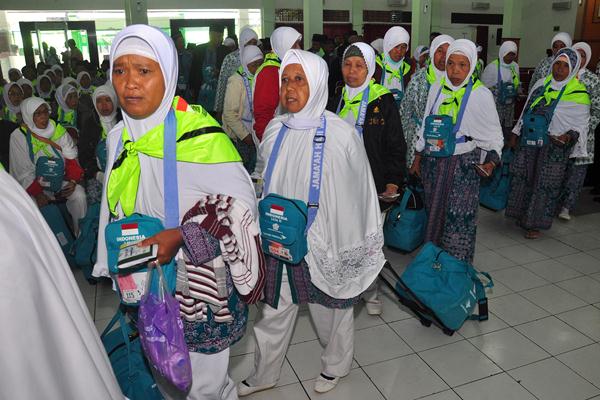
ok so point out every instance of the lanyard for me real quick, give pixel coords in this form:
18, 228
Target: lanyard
248, 92
170, 185
316, 169
362, 110
463, 105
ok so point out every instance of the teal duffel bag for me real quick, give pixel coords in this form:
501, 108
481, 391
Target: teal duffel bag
405, 223
441, 289
493, 192
58, 225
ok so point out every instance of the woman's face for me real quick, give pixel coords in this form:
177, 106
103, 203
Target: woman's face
45, 84
560, 70
27, 91
294, 91
355, 71
457, 68
583, 56
72, 100
139, 84
104, 105
254, 65
557, 45
398, 52
41, 116
422, 60
509, 58
15, 95
439, 57
85, 82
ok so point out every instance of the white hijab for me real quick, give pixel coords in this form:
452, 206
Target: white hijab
194, 180
317, 74
507, 47
489, 77
13, 109
282, 39
369, 56
377, 44
573, 69
71, 81
106, 90
61, 95
435, 43
588, 54
563, 37
419, 51
393, 37
80, 77
466, 48
248, 55
25, 81
38, 86
28, 107
246, 35
344, 255
152, 43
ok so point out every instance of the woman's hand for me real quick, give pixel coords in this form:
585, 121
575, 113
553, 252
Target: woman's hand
415, 168
561, 140
389, 196
169, 241
485, 170
66, 191
41, 200
512, 141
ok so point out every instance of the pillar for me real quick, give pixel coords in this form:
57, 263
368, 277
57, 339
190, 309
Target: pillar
420, 24
136, 12
267, 14
511, 21
357, 16
313, 20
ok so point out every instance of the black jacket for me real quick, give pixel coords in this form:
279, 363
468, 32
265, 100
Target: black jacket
384, 141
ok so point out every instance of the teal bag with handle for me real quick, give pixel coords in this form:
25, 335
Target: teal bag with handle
442, 289
131, 281
493, 192
404, 227
534, 132
49, 169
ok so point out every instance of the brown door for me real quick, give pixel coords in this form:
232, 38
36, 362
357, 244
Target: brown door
482, 40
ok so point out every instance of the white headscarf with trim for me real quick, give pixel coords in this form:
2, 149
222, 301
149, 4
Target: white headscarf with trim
28, 107
369, 56
14, 109
107, 90
282, 40
573, 62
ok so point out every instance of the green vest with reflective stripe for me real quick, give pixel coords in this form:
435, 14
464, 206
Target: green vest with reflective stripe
575, 92
271, 60
375, 91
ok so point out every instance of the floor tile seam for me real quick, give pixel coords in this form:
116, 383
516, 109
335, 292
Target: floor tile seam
575, 328
520, 333
433, 326
297, 377
500, 373
577, 373
559, 281
374, 384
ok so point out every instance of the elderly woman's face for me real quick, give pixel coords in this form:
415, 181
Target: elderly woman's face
439, 57
560, 69
41, 116
294, 91
557, 45
139, 84
509, 58
85, 81
354, 70
15, 95
398, 52
72, 100
457, 68
104, 105
583, 56
254, 66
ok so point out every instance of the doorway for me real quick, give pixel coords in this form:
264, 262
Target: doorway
196, 30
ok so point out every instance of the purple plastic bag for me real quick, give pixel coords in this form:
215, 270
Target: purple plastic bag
161, 334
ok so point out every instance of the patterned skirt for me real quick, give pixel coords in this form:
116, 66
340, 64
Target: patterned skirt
537, 177
452, 200
301, 286
574, 179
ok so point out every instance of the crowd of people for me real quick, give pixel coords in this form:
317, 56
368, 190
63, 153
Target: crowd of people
261, 129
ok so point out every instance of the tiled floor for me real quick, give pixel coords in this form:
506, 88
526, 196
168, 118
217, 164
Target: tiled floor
541, 342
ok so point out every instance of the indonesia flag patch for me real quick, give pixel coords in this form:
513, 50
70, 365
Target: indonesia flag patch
129, 229
277, 210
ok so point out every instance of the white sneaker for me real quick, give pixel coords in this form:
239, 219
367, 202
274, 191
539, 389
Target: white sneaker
243, 389
374, 307
324, 384
564, 215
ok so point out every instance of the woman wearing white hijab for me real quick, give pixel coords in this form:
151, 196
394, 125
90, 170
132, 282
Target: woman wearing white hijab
67, 98
41, 146
45, 88
51, 337
377, 44
393, 68
237, 109
421, 56
412, 111
58, 71
231, 63
344, 254
266, 80
451, 181
559, 41
26, 86
12, 96
85, 83
563, 105
578, 167
502, 77
207, 164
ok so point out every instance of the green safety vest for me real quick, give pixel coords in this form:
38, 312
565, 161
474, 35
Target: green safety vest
375, 91
271, 60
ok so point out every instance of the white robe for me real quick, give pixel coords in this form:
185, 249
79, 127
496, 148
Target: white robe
51, 349
345, 241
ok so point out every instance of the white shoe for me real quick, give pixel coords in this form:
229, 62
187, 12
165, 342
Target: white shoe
325, 384
243, 389
564, 214
374, 307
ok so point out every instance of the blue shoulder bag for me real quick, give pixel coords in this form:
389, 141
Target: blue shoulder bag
493, 192
404, 228
284, 223
439, 131
137, 227
534, 132
50, 169
507, 92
